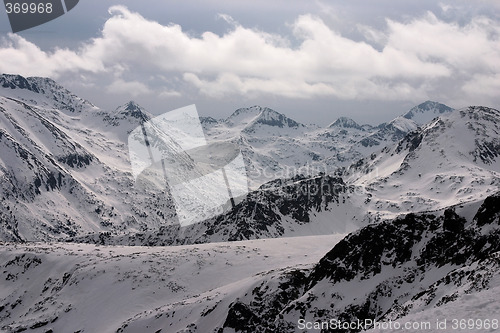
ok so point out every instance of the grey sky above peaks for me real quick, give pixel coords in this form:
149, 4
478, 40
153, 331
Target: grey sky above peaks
311, 60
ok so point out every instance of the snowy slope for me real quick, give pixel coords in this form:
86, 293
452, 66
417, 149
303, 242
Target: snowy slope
412, 264
420, 263
471, 312
387, 134
43, 92
283, 208
412, 267
454, 159
64, 167
71, 287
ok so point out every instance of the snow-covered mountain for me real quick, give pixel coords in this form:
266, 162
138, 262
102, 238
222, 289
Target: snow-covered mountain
42, 92
425, 112
273, 145
346, 122
416, 266
276, 146
300, 206
453, 159
65, 168
416, 175
387, 134
128, 117
66, 174
255, 118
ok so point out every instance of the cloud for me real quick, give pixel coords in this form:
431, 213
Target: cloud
23, 57
412, 59
133, 88
469, 49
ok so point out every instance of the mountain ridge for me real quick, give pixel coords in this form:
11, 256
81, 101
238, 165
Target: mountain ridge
438, 164
410, 229
83, 163
56, 95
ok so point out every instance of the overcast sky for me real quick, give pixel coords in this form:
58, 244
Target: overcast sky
311, 60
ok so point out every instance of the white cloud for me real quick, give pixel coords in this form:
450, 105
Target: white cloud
133, 88
229, 83
411, 61
471, 48
20, 56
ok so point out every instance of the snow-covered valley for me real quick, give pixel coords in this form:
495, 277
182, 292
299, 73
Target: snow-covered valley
72, 287
419, 267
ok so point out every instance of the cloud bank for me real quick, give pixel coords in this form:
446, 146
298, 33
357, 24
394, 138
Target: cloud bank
406, 60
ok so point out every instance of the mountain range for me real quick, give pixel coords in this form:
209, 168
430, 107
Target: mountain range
395, 223
73, 153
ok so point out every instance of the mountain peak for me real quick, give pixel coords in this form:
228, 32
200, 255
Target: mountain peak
272, 118
14, 81
426, 111
132, 106
346, 122
55, 94
39, 85
256, 109
131, 110
403, 124
255, 115
208, 120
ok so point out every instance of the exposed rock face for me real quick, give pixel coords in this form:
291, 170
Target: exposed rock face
383, 272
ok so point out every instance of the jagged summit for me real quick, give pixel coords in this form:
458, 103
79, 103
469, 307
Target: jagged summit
272, 118
243, 116
17, 82
32, 83
480, 112
346, 122
132, 110
256, 115
127, 117
390, 132
53, 94
208, 120
470, 135
256, 109
426, 111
